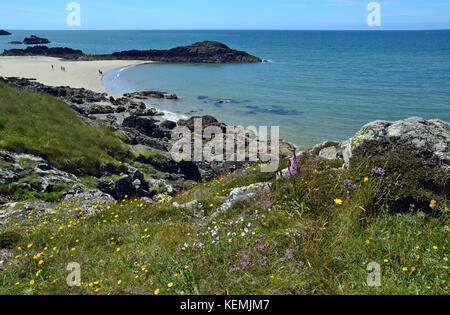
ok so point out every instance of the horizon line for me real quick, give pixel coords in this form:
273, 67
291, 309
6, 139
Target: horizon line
212, 29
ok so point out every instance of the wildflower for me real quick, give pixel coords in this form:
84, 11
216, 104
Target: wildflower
118, 249
29, 245
156, 292
366, 179
386, 261
433, 204
170, 285
379, 171
338, 201
435, 247
40, 262
32, 282
405, 269
119, 282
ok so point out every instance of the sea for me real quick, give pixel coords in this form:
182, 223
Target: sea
315, 85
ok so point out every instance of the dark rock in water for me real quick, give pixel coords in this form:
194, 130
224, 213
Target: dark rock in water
146, 126
35, 40
206, 122
3, 32
168, 124
15, 43
202, 52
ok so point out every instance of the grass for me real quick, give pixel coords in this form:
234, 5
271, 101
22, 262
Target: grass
313, 234
40, 124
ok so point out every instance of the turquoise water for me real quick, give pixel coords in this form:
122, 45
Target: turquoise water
319, 85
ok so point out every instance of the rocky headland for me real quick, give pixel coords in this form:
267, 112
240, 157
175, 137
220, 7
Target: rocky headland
201, 52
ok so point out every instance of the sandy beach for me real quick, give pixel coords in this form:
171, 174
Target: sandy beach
78, 74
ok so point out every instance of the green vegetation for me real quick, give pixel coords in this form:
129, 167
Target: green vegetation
40, 124
315, 233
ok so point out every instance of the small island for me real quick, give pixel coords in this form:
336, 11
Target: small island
32, 40
201, 52
3, 32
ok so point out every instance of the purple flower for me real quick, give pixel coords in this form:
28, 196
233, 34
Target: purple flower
379, 171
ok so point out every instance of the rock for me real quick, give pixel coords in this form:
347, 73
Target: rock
207, 121
3, 33
146, 200
242, 194
429, 136
35, 40
66, 53
15, 42
144, 112
197, 209
99, 109
124, 187
167, 124
160, 186
84, 199
146, 126
7, 177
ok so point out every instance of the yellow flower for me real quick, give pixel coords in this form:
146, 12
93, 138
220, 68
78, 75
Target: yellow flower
366, 179
156, 292
367, 242
119, 282
272, 277
433, 204
386, 260
183, 248
338, 201
29, 245
32, 282
405, 269
73, 249
170, 285
435, 247
40, 262
118, 249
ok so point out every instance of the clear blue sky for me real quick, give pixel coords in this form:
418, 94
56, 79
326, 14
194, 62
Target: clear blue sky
224, 14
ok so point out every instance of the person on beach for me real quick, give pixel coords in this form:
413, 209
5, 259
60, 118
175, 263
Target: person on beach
53, 68
100, 72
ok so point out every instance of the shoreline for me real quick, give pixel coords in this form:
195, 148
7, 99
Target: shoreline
77, 74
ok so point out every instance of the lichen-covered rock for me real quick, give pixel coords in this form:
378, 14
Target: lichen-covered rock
242, 194
87, 200
429, 136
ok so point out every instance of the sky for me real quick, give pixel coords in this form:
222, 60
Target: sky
224, 14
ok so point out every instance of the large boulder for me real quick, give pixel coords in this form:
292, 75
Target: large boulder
145, 126
431, 137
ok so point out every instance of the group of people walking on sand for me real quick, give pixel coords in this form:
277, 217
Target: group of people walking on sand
62, 68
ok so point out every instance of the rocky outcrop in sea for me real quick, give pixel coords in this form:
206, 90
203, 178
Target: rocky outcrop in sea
201, 52
4, 33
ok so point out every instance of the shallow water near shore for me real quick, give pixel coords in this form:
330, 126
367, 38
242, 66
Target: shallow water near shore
317, 86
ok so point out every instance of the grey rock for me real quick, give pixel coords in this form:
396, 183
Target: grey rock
428, 135
84, 199
242, 194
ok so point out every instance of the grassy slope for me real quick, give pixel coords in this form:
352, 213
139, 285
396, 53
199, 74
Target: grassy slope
314, 234
40, 124
303, 243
